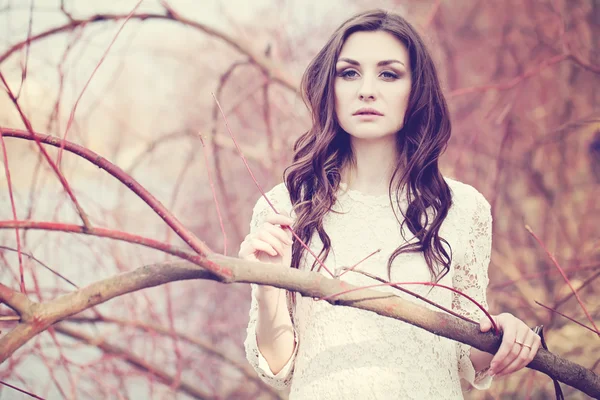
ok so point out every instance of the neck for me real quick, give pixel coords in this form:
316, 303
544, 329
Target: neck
375, 164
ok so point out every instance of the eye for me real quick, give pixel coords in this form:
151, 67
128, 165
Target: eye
349, 73
389, 75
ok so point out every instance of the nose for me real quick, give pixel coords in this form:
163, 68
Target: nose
366, 91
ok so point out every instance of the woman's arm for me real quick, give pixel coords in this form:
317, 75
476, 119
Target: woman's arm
264, 359
470, 276
271, 242
274, 330
519, 342
271, 340
480, 359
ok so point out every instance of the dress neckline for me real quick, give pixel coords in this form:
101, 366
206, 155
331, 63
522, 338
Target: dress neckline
380, 200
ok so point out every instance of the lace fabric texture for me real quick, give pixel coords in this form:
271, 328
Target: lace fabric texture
348, 353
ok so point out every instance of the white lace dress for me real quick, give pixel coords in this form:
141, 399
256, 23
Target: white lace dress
346, 353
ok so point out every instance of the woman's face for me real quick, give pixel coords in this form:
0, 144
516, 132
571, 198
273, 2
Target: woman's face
372, 85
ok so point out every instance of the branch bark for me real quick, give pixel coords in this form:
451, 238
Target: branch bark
309, 284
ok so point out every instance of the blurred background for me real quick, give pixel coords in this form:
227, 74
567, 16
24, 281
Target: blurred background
522, 78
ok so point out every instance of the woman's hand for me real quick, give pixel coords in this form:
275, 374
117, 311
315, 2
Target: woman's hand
519, 344
271, 243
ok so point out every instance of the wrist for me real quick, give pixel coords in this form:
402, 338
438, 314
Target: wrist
480, 359
269, 291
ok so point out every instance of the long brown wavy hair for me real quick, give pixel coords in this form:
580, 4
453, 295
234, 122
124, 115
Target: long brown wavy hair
319, 154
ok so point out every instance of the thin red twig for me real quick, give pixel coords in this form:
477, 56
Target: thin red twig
358, 263
185, 234
14, 212
557, 265
275, 71
21, 390
583, 285
51, 367
214, 193
422, 298
512, 82
42, 264
25, 64
566, 316
123, 236
495, 327
431, 15
74, 109
176, 347
262, 191
63, 360
54, 167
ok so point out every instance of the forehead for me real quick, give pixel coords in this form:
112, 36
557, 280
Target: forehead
373, 46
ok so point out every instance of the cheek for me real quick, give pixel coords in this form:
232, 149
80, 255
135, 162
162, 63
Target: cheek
344, 93
342, 104
401, 103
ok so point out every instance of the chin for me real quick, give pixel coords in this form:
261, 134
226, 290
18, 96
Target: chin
370, 134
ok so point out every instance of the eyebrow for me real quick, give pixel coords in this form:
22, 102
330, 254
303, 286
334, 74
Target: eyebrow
379, 64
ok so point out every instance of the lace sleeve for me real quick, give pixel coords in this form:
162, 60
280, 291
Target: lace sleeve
283, 378
471, 277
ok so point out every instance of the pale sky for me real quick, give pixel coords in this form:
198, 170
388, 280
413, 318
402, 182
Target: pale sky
152, 57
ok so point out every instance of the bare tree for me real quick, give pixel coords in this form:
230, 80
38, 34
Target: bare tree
81, 230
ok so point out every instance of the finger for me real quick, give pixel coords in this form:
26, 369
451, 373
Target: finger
279, 219
537, 343
247, 252
524, 356
259, 245
485, 324
279, 233
499, 360
534, 342
514, 348
519, 362
269, 238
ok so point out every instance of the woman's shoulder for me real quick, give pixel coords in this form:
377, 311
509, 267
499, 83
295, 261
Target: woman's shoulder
466, 197
278, 195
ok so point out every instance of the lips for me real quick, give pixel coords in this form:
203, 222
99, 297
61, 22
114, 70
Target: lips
367, 111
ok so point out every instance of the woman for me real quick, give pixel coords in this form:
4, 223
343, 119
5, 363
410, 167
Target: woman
365, 177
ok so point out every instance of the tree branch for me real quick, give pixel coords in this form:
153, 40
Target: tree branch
207, 347
15, 300
96, 159
275, 71
136, 361
309, 284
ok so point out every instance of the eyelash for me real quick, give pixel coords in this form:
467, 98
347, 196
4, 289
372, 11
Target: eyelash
345, 74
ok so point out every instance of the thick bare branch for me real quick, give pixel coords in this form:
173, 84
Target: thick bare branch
15, 300
309, 284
